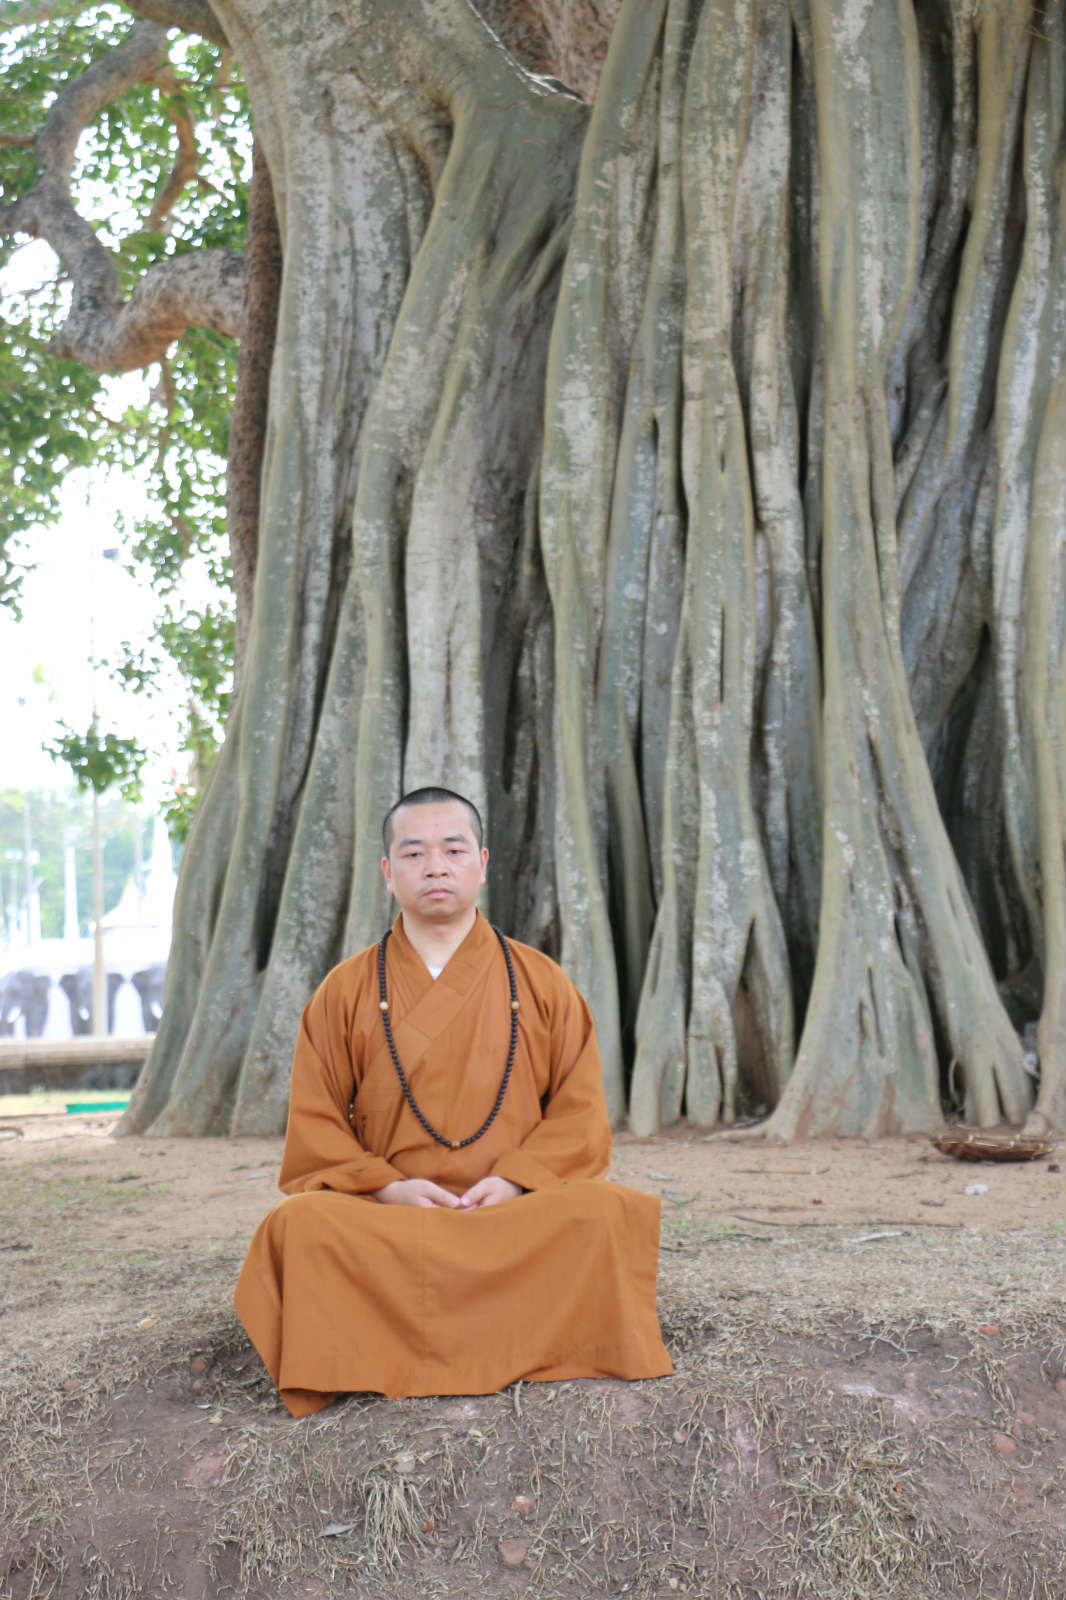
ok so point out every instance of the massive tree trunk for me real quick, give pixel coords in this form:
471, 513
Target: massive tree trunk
681, 476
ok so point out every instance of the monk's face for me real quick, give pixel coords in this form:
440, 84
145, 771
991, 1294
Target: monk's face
434, 867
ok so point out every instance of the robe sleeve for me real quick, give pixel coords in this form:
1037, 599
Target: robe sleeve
573, 1139
321, 1150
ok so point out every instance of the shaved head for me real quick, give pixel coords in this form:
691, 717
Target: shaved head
431, 797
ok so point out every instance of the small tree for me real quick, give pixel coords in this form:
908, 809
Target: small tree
100, 761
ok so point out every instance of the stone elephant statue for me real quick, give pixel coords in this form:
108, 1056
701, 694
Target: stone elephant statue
24, 994
78, 988
149, 985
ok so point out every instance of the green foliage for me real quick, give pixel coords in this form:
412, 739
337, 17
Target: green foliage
100, 761
49, 422
199, 643
55, 415
179, 809
184, 455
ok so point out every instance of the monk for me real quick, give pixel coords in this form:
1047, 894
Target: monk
448, 1229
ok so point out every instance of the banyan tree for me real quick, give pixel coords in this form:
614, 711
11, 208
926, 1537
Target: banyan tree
651, 422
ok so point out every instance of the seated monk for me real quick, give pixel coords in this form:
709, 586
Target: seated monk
447, 1228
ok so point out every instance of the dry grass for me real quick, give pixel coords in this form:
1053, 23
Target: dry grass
804, 1448
751, 1472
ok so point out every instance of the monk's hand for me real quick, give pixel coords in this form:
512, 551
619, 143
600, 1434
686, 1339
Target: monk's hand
414, 1192
488, 1192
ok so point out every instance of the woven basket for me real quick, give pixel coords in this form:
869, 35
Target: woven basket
990, 1147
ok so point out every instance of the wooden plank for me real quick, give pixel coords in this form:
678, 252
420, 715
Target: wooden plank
88, 1050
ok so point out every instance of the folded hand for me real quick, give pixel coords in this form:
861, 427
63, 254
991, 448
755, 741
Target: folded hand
489, 1192
415, 1192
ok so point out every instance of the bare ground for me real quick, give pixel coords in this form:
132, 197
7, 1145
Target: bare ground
869, 1398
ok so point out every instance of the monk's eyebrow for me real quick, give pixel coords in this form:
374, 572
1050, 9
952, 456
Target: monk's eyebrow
449, 838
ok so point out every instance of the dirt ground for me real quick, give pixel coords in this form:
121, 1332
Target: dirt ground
869, 1398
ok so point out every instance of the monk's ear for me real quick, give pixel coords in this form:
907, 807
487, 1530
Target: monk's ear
484, 863
386, 873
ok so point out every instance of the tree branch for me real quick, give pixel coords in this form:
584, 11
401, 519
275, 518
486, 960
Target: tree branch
191, 16
202, 289
102, 330
185, 168
31, 12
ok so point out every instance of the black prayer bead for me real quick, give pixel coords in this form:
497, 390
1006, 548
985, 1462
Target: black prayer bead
450, 1144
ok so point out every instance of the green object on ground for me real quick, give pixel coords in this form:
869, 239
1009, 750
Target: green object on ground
97, 1105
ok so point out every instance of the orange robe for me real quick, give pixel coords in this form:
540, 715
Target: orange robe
340, 1293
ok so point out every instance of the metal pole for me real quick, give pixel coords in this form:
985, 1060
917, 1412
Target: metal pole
99, 1014
27, 863
71, 926
138, 867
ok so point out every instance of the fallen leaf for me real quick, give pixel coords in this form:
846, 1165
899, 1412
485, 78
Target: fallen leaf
513, 1551
207, 1473
333, 1528
147, 1322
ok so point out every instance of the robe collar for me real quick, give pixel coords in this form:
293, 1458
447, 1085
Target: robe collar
464, 966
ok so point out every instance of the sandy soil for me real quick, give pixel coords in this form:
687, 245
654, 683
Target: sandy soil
706, 1182
869, 1396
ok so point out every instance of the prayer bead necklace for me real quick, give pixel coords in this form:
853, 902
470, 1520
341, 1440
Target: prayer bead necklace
451, 1144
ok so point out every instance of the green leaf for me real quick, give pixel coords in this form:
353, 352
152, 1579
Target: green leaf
100, 761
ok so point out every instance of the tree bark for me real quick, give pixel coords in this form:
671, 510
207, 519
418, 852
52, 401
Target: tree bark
251, 406
681, 478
